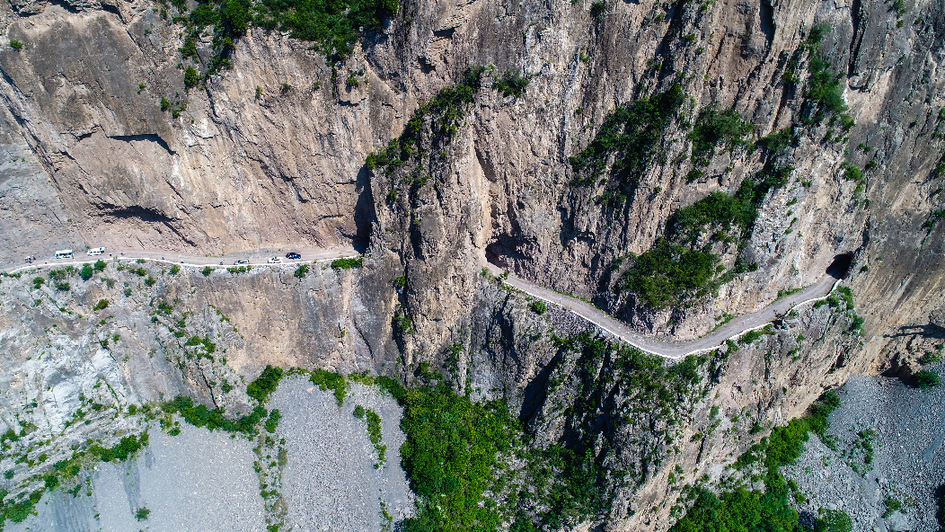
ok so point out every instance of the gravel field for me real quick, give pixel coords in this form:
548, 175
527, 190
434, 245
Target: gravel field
204, 481
195, 481
908, 461
329, 481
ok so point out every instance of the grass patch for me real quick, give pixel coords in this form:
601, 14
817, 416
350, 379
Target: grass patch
347, 264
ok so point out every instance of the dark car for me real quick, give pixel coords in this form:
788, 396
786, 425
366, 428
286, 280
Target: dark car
293, 256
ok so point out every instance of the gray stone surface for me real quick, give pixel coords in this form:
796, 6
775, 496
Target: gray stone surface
196, 481
330, 482
908, 462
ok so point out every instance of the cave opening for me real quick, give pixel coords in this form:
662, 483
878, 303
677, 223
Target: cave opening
840, 266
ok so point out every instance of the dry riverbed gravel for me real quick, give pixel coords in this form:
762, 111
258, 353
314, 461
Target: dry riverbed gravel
201, 480
905, 427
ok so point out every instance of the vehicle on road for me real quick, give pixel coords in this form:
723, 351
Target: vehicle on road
293, 255
275, 260
96, 251
29, 259
241, 261
64, 254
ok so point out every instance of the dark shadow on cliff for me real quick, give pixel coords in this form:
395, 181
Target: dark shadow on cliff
536, 392
364, 214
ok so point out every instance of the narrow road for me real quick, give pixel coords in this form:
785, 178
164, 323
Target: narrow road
672, 350
254, 257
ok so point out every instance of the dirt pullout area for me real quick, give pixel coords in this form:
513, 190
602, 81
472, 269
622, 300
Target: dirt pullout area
195, 481
887, 453
330, 481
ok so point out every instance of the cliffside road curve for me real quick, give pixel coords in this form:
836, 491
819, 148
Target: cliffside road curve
667, 349
673, 350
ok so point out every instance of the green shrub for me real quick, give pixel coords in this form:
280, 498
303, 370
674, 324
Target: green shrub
38, 282
86, 272
345, 264
777, 142
925, 379
669, 274
142, 513
175, 269
125, 448
16, 45
201, 416
63, 286
191, 78
301, 271
265, 384
334, 27
207, 270
400, 281
931, 357
149, 281
634, 134
450, 457
273, 421
101, 305
358, 412
327, 380
99, 265
768, 509
165, 105
713, 128
892, 506
833, 521
538, 307
511, 84
694, 175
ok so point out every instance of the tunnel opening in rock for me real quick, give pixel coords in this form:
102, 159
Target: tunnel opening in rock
840, 266
503, 251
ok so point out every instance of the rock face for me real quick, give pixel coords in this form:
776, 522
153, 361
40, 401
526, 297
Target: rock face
272, 152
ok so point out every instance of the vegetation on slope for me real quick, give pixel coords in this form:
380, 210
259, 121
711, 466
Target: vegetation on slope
741, 509
634, 135
333, 27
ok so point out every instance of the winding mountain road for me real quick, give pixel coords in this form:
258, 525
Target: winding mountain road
667, 349
674, 350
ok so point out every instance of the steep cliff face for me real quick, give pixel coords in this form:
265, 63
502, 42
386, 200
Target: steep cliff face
272, 152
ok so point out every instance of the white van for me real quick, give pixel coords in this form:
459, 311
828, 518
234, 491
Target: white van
96, 251
64, 254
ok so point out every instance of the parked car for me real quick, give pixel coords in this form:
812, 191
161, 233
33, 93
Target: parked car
275, 260
293, 255
96, 251
64, 254
241, 261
